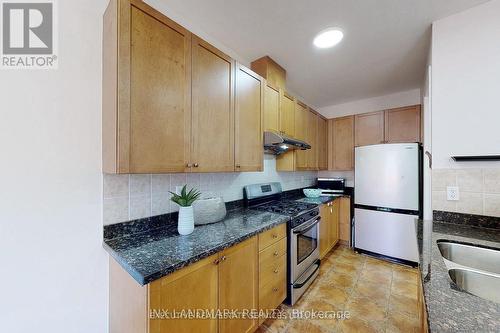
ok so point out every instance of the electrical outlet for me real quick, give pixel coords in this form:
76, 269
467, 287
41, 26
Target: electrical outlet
452, 193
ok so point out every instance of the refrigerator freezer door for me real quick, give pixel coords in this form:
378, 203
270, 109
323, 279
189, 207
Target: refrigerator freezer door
390, 234
387, 176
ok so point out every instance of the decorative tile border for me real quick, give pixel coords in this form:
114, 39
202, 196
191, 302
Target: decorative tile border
482, 221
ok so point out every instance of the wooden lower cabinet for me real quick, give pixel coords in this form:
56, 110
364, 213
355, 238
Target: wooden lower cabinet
250, 275
238, 285
328, 227
272, 268
344, 219
194, 287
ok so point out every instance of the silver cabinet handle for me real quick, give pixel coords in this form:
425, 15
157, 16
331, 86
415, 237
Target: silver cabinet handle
195, 165
189, 165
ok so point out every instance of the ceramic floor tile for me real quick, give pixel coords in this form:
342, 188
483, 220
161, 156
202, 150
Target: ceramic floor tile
404, 288
399, 323
400, 303
379, 296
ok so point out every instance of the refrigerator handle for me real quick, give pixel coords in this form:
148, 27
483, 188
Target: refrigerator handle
429, 155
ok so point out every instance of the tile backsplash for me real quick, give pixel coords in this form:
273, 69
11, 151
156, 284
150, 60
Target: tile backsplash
129, 197
479, 191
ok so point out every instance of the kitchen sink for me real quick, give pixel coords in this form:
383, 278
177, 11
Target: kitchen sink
470, 256
484, 285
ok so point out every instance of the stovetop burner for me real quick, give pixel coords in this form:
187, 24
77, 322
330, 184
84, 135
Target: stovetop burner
286, 207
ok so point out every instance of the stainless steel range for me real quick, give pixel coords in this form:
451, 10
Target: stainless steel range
302, 232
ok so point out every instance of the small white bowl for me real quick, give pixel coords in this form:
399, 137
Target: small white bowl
312, 192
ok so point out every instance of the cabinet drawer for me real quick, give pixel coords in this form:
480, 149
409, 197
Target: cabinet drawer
271, 236
272, 269
272, 253
272, 294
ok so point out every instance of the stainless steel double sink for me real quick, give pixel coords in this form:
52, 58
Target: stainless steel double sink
474, 269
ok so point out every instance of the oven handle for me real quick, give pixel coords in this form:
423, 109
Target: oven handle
300, 285
307, 227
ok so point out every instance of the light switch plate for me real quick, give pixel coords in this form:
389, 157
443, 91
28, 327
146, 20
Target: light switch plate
452, 193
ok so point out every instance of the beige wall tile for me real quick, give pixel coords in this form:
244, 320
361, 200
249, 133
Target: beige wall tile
470, 180
491, 180
492, 205
160, 183
115, 185
115, 210
439, 202
140, 207
470, 203
442, 178
140, 184
161, 203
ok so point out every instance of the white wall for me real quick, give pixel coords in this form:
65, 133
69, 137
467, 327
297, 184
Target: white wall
404, 98
53, 267
466, 85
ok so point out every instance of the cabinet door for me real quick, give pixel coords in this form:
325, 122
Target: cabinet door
249, 152
191, 288
287, 114
213, 109
345, 219
322, 144
334, 221
341, 143
402, 124
369, 128
271, 108
324, 230
312, 139
159, 131
238, 278
301, 132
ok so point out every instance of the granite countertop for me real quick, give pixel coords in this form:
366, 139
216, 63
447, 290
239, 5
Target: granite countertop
449, 309
151, 254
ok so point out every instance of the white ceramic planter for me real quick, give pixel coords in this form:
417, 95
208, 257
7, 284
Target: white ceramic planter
185, 224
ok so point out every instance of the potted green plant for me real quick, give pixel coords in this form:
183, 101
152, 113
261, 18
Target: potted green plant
185, 201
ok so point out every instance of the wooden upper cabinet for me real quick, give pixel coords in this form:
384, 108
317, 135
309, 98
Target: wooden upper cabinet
212, 108
271, 71
322, 143
249, 151
341, 143
369, 128
193, 287
403, 124
312, 139
239, 281
302, 119
287, 113
146, 95
271, 108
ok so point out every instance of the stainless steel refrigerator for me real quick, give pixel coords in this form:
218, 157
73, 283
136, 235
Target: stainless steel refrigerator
387, 200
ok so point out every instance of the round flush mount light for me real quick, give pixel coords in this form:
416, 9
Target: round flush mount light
328, 38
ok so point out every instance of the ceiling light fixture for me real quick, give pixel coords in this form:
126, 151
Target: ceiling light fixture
328, 38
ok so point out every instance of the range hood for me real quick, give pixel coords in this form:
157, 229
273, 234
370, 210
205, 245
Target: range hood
277, 143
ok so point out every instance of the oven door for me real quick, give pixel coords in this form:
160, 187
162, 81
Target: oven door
304, 246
